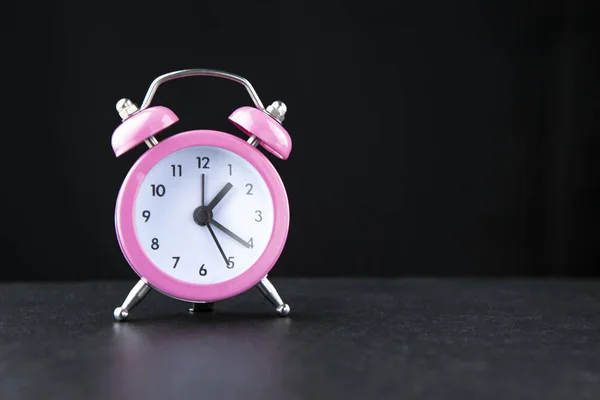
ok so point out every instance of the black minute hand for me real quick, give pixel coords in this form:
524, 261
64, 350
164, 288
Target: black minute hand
220, 196
202, 189
230, 234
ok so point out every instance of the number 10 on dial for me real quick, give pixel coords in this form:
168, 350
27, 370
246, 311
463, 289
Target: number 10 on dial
202, 215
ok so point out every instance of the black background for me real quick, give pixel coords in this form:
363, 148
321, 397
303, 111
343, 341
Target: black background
429, 138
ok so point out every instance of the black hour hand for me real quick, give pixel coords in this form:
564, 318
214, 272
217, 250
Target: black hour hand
231, 234
219, 196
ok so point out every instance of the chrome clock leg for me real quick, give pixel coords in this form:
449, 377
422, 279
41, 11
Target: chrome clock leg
202, 307
134, 297
268, 290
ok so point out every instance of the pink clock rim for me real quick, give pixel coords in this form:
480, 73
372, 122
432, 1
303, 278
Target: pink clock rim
143, 265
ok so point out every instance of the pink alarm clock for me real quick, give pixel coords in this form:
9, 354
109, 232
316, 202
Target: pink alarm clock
202, 215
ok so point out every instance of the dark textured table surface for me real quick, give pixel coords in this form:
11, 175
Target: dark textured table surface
344, 339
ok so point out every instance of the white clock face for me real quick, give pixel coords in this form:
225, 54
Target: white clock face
203, 215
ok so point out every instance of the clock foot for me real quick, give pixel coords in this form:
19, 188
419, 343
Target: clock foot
269, 291
202, 307
134, 297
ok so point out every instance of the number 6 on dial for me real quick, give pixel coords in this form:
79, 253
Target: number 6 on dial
202, 215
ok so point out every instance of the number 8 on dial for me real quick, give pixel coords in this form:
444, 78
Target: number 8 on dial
202, 215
